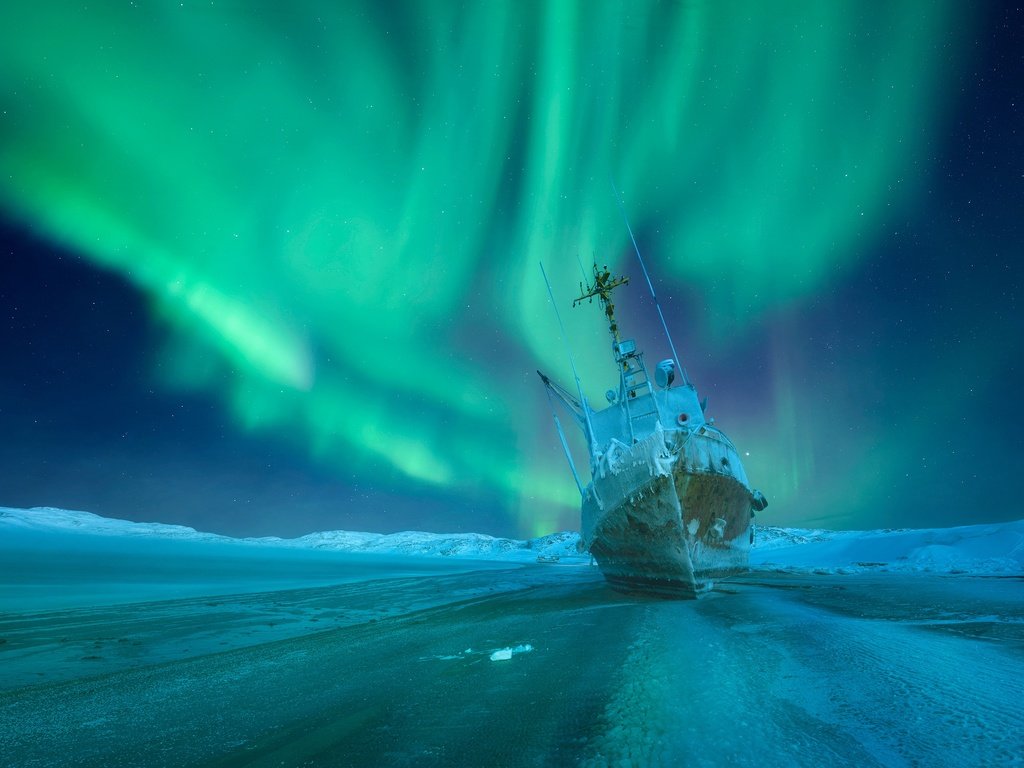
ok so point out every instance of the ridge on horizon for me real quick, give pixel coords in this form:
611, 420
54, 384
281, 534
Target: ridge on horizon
979, 549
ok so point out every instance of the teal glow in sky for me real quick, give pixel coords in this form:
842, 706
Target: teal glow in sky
337, 210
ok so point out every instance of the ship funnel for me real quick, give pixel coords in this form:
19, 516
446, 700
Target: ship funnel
665, 373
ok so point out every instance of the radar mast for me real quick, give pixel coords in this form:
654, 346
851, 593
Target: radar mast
604, 284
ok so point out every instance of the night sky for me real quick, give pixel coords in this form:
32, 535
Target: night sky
275, 270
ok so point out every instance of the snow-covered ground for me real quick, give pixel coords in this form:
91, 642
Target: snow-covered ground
988, 549
53, 559
983, 550
150, 645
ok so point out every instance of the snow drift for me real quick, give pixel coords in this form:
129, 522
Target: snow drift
992, 549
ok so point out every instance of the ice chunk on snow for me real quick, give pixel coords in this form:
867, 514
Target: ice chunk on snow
504, 654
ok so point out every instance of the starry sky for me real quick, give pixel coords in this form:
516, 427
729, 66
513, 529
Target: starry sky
270, 268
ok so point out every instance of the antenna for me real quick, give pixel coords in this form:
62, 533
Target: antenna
604, 284
661, 315
583, 272
572, 362
565, 445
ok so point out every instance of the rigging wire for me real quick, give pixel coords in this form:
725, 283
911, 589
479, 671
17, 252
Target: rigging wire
664, 325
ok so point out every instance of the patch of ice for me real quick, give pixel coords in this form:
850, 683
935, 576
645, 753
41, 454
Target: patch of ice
504, 654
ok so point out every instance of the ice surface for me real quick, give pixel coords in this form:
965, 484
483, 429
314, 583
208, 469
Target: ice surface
54, 559
253, 653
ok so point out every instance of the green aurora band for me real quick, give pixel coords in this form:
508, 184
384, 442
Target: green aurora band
338, 209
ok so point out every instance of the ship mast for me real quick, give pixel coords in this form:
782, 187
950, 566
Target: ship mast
604, 284
633, 379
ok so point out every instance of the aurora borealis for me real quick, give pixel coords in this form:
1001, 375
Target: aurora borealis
318, 228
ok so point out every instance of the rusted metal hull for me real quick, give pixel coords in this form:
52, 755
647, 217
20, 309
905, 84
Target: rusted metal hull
671, 515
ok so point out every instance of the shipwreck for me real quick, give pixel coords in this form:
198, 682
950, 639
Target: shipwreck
668, 509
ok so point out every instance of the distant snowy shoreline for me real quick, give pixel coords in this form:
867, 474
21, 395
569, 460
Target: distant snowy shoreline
986, 549
476, 546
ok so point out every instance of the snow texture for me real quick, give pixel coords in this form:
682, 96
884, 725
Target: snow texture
417, 543
993, 549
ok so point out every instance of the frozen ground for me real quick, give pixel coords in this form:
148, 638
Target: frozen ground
879, 648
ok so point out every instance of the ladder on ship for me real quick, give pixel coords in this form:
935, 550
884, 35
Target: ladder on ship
633, 372
635, 384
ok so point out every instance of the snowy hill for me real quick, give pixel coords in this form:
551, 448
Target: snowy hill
66, 520
990, 549
463, 545
474, 545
